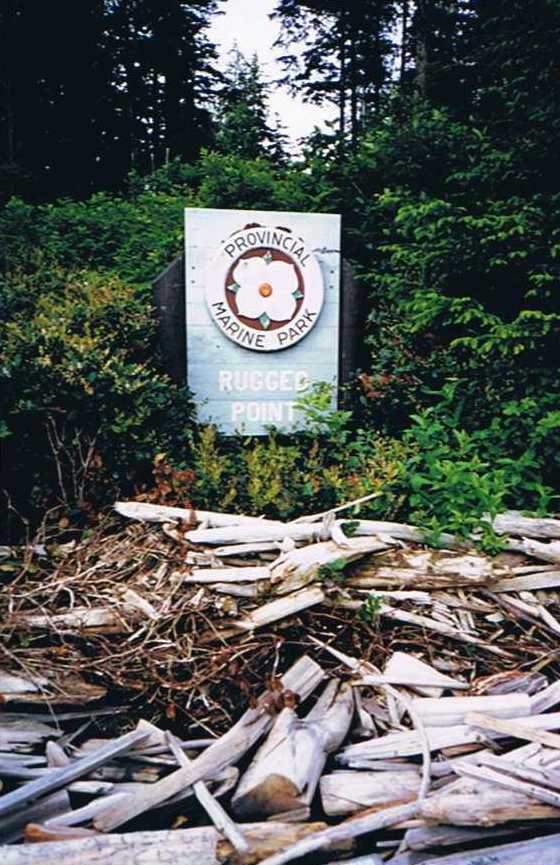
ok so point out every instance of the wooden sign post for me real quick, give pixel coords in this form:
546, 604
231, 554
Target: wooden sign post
256, 303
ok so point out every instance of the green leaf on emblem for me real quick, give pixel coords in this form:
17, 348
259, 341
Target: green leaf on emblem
233, 287
264, 320
297, 294
267, 257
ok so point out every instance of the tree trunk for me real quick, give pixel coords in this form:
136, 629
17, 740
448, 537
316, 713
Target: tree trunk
404, 40
422, 58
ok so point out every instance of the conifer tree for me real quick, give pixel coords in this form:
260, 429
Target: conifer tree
242, 120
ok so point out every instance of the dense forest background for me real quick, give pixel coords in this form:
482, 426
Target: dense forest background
443, 161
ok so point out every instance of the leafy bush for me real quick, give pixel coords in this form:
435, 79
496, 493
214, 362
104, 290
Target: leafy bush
458, 481
84, 407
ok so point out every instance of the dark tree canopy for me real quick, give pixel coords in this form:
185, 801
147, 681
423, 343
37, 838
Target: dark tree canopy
340, 53
91, 89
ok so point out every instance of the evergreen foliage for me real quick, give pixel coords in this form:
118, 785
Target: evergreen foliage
242, 126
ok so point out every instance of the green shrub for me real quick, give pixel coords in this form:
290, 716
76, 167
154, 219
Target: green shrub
85, 408
459, 480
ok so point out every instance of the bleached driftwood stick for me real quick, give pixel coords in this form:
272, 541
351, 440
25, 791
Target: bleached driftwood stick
545, 699
513, 523
346, 506
532, 791
344, 793
285, 771
246, 549
371, 859
221, 820
528, 582
164, 514
401, 531
448, 711
544, 777
350, 829
441, 628
239, 590
227, 575
57, 778
405, 669
79, 618
549, 552
258, 531
365, 667
519, 730
302, 678
544, 851
299, 567
406, 744
281, 608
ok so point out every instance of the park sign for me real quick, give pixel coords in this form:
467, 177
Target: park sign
262, 306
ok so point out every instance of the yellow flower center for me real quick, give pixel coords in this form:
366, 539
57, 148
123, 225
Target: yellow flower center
265, 289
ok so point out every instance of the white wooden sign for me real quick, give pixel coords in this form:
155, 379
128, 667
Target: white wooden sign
262, 307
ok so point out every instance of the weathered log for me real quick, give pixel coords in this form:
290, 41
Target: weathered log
256, 531
514, 523
430, 569
264, 843
345, 793
55, 805
240, 590
198, 846
67, 689
163, 514
56, 756
12, 686
299, 567
541, 850
433, 837
545, 552
302, 678
57, 778
403, 532
478, 803
285, 771
544, 776
449, 711
349, 829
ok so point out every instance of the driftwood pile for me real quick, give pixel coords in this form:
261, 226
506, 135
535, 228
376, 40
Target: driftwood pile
414, 720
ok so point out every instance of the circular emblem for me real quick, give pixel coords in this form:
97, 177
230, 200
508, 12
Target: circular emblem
265, 288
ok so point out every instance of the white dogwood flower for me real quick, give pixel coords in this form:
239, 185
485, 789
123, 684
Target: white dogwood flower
265, 289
